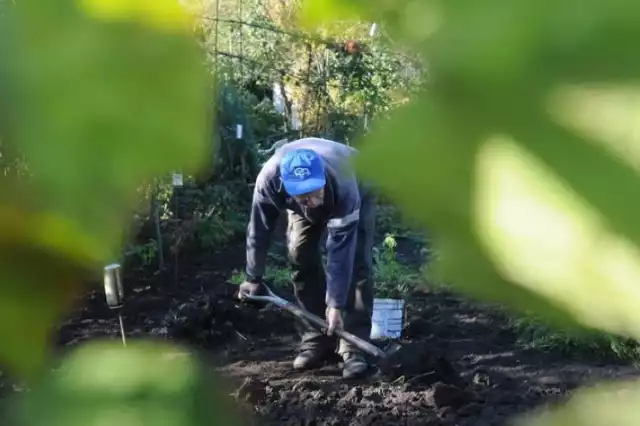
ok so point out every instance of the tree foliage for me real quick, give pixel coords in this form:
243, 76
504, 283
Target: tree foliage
506, 161
254, 44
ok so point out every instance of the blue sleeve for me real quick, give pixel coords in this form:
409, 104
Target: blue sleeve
265, 210
341, 249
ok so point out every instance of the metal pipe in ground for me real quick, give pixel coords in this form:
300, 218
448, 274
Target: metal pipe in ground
114, 294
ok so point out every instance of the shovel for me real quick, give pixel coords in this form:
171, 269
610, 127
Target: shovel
321, 325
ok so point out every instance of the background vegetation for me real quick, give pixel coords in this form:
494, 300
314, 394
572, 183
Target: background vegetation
519, 158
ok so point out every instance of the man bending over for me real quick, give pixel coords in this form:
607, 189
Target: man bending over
310, 178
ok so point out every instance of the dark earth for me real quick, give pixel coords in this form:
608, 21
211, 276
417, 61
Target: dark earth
459, 363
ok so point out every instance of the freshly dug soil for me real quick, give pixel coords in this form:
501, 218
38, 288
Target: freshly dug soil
459, 363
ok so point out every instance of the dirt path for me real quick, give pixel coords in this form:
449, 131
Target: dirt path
461, 365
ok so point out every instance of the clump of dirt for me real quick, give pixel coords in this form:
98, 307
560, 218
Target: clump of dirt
252, 391
445, 395
418, 366
213, 319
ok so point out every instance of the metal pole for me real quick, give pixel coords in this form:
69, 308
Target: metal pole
178, 182
215, 35
114, 293
124, 337
156, 219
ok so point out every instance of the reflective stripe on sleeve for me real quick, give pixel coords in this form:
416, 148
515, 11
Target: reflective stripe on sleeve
340, 222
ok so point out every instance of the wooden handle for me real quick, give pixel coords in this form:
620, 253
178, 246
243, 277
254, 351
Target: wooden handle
319, 323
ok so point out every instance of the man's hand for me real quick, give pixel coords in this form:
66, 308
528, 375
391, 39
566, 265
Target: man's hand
334, 319
248, 288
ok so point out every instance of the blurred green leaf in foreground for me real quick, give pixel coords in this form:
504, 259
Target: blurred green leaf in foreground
99, 97
146, 383
529, 205
522, 156
602, 405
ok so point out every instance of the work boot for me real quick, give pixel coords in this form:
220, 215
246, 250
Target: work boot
309, 359
355, 365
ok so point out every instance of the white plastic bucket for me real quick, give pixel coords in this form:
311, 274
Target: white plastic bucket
387, 320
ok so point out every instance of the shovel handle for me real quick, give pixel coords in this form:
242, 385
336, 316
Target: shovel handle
320, 323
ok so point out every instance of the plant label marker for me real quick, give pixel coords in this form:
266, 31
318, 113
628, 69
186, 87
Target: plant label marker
372, 30
113, 289
177, 180
114, 293
238, 131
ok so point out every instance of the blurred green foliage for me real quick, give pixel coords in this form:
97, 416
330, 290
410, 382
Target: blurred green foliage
93, 91
509, 191
145, 383
88, 90
513, 158
604, 404
99, 101
529, 202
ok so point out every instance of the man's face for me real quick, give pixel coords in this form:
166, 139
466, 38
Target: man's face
312, 199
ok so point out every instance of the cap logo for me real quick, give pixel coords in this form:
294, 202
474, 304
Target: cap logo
301, 172
306, 157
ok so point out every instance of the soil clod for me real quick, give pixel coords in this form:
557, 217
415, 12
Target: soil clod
445, 395
252, 391
209, 321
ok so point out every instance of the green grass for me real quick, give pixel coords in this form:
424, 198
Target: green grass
534, 333
279, 277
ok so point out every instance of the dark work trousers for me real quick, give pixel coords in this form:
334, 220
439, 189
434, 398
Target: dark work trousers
309, 279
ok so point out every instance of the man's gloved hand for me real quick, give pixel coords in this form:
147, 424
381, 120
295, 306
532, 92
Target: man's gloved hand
334, 320
249, 288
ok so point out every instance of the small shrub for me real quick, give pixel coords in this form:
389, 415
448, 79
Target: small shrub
145, 252
392, 278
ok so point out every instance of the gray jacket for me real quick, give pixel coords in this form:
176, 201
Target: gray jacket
340, 214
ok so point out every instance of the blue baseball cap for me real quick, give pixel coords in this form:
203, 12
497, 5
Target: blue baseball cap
302, 171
